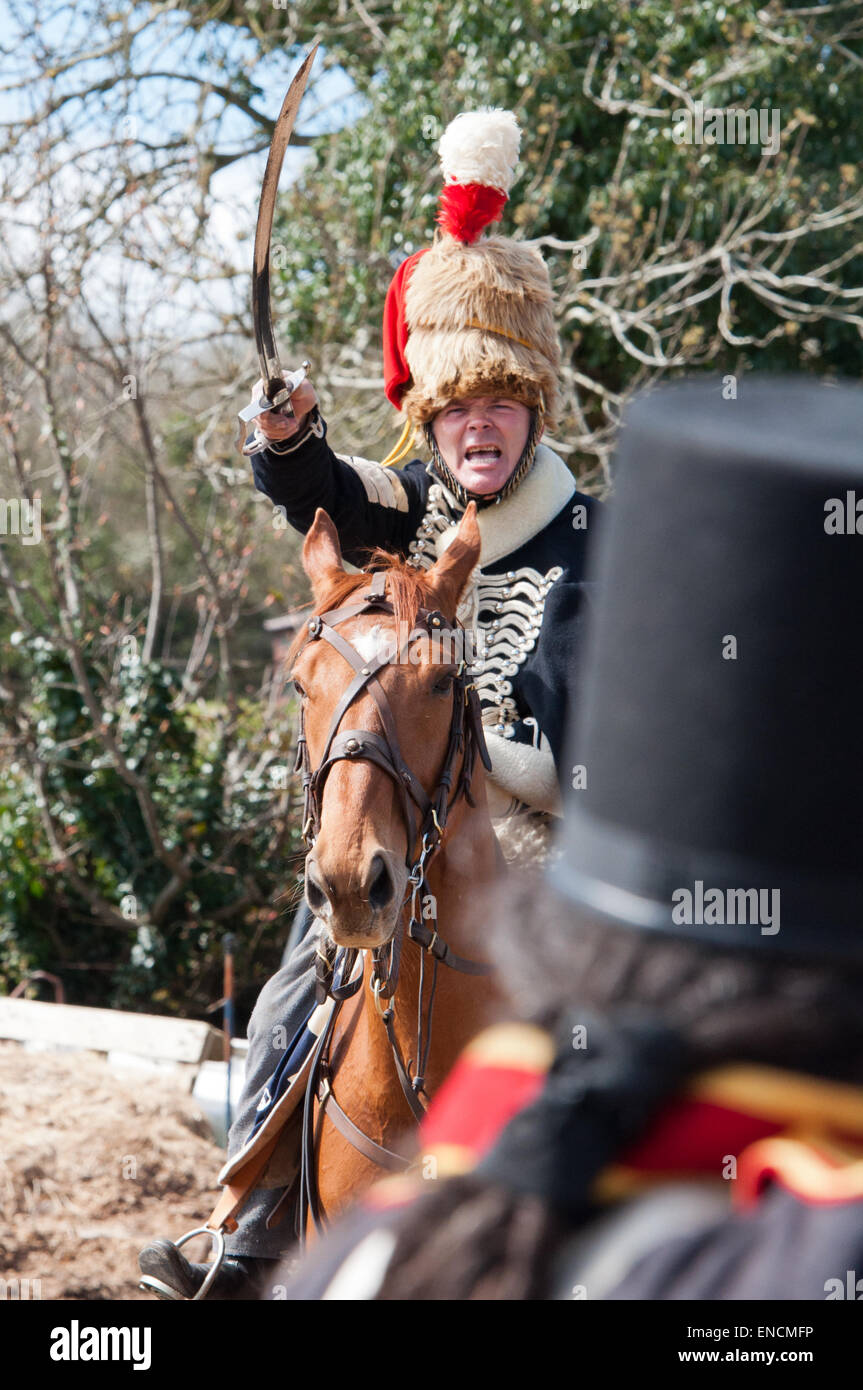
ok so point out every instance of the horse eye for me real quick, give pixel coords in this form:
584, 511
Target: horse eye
444, 685
299, 689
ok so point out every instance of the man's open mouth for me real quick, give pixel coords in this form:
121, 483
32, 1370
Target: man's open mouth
483, 453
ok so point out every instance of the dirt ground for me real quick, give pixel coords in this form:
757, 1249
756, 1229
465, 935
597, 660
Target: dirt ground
94, 1164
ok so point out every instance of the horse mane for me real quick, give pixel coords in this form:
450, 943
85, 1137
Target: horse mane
408, 589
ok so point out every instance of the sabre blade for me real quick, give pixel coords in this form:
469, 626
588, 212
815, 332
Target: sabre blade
265, 341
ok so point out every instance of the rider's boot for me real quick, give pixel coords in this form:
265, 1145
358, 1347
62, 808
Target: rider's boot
168, 1274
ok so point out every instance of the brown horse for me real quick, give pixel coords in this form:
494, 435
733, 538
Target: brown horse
357, 871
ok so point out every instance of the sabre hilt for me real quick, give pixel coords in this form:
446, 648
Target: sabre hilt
277, 397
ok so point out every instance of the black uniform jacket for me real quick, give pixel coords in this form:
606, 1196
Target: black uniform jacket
525, 603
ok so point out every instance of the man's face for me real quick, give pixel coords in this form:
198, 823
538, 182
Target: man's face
482, 439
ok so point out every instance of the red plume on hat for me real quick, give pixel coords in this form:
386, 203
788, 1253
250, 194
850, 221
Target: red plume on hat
478, 154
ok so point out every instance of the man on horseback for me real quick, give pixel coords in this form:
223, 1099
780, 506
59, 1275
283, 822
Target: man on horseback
472, 358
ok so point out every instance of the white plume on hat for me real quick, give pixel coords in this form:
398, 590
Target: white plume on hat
481, 147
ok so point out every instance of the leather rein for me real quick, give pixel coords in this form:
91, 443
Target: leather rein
425, 820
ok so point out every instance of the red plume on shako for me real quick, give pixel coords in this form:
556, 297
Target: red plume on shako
478, 154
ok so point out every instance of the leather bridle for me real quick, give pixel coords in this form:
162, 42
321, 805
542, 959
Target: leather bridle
425, 820
465, 731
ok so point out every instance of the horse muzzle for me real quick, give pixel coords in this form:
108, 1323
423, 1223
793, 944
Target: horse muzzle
361, 908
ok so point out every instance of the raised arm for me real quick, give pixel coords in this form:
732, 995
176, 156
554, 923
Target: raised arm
295, 467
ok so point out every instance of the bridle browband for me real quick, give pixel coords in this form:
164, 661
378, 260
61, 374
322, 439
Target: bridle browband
425, 820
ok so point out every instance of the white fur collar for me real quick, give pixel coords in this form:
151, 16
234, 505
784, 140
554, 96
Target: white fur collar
511, 523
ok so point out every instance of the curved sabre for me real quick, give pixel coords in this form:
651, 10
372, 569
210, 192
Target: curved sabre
277, 386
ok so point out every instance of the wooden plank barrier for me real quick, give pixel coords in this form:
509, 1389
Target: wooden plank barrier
180, 1040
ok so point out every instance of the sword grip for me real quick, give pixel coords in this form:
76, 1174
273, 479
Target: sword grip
280, 389
274, 387
279, 396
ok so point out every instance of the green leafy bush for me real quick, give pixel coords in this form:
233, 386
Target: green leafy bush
87, 894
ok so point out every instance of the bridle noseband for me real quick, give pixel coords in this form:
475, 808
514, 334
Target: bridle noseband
425, 820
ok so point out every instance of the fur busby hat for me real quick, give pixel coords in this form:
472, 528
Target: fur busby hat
472, 315
717, 758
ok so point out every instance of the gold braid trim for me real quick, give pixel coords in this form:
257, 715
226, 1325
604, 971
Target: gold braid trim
502, 333
402, 447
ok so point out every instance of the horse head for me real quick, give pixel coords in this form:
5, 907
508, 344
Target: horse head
376, 760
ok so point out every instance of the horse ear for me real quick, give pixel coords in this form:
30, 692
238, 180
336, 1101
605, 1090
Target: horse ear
322, 555
448, 576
